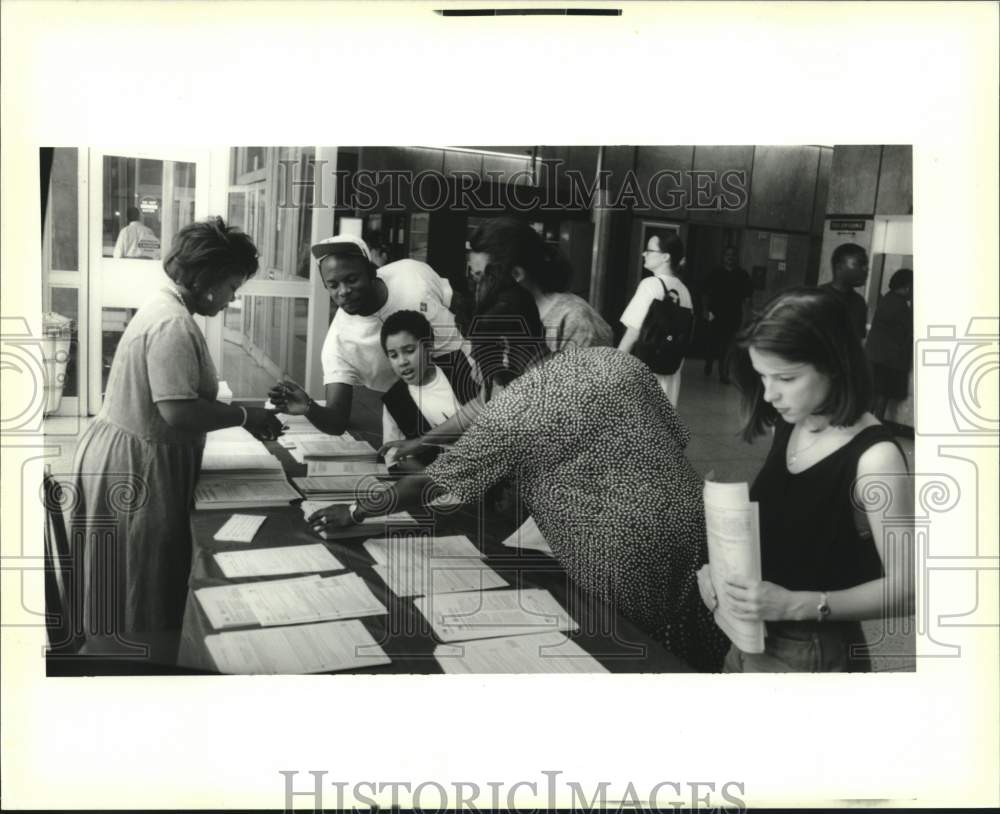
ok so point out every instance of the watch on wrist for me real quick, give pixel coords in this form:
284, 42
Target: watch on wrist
823, 608
354, 510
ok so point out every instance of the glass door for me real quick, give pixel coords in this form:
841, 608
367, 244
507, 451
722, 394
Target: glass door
138, 202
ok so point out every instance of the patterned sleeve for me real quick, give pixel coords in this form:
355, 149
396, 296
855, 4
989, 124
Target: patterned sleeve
493, 448
172, 362
654, 393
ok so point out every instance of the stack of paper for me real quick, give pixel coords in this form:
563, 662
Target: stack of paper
318, 450
533, 653
238, 463
488, 614
426, 565
238, 472
288, 601
366, 528
317, 648
266, 562
337, 487
733, 552
219, 491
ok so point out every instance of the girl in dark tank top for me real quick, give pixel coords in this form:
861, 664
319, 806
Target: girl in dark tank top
832, 484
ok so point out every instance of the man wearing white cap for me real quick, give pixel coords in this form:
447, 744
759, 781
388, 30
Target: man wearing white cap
352, 352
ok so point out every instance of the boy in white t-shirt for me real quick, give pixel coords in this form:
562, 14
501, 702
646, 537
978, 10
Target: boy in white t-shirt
425, 395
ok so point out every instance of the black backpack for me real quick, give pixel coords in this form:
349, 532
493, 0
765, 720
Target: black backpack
665, 335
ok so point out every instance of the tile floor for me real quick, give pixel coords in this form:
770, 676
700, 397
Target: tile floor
711, 412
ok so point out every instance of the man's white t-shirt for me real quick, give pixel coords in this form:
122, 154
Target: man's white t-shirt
436, 402
649, 290
137, 240
352, 352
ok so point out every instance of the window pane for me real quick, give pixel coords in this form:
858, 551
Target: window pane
113, 324
63, 209
265, 340
138, 222
66, 302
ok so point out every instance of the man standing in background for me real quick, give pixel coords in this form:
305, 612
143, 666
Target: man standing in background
726, 290
850, 271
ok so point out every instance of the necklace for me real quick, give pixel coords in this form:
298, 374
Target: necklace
794, 456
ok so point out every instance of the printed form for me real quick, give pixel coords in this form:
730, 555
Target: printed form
266, 562
733, 551
533, 653
463, 616
318, 648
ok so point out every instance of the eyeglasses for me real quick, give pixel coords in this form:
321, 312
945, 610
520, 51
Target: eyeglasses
652, 251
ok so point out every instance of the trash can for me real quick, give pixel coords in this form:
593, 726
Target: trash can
57, 331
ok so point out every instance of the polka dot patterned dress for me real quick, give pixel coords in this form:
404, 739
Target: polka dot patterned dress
597, 452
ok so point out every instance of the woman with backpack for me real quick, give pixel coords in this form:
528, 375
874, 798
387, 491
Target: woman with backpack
663, 256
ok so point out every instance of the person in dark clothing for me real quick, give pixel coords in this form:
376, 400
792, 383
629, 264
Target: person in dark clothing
850, 271
890, 343
829, 558
725, 292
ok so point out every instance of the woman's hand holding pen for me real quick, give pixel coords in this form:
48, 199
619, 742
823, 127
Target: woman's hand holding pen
288, 397
262, 424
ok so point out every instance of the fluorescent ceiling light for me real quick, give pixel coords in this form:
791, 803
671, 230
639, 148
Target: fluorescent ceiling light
521, 156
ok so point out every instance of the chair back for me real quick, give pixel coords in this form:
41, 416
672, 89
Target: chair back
62, 635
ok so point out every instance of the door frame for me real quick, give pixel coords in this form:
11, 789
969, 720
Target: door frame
102, 291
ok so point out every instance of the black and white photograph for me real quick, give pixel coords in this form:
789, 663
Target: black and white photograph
312, 443
596, 380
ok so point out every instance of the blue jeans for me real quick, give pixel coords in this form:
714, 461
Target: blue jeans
804, 647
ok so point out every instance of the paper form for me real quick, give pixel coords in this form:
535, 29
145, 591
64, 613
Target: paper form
528, 536
731, 521
319, 648
317, 600
532, 653
487, 614
456, 546
227, 605
263, 562
431, 576
240, 528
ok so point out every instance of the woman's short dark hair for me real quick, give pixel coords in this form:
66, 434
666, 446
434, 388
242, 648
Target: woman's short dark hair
513, 242
671, 243
805, 325
411, 322
204, 253
507, 336
903, 278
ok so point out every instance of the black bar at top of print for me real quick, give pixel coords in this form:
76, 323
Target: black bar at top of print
524, 12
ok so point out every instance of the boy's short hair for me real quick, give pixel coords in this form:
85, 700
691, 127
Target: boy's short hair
411, 322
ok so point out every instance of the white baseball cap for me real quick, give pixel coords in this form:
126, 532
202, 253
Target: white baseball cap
344, 245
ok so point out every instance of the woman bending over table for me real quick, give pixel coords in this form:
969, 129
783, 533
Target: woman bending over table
597, 452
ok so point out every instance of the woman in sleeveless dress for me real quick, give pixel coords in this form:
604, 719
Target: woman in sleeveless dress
834, 494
